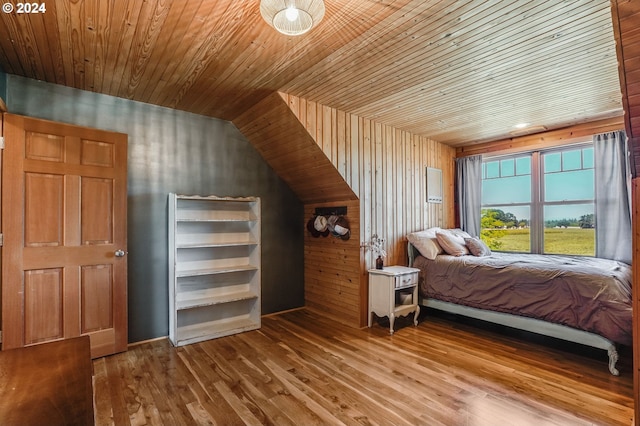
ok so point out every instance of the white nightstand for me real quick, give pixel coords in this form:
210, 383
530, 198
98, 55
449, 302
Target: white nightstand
393, 291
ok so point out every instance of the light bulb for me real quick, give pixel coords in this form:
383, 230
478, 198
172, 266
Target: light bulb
291, 13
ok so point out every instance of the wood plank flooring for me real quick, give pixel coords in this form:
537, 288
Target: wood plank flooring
302, 369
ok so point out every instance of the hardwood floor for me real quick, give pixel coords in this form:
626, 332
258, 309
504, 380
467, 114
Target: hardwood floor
303, 369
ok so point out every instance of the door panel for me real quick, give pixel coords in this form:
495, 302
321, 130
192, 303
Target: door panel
96, 153
43, 193
43, 305
96, 197
96, 291
44, 147
64, 216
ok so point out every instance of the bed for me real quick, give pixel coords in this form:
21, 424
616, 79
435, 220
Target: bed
578, 299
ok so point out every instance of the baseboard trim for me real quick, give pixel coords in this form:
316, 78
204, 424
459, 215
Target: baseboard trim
155, 339
142, 342
283, 312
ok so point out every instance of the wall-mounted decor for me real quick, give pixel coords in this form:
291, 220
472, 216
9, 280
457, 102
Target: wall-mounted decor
330, 220
434, 185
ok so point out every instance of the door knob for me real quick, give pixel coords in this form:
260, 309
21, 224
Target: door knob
120, 253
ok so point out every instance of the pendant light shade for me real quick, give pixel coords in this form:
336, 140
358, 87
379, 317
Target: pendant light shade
292, 17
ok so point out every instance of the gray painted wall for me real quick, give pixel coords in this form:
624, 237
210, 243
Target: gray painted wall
174, 151
3, 85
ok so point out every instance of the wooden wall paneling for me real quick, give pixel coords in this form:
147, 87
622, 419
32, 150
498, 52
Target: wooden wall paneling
388, 193
364, 194
385, 167
447, 210
626, 29
625, 16
332, 268
418, 182
311, 121
408, 180
354, 153
334, 137
395, 185
340, 146
380, 189
365, 181
414, 197
327, 134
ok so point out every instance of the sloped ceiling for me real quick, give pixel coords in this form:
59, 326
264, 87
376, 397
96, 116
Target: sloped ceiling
284, 143
458, 72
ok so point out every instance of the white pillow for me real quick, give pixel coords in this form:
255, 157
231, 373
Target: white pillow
426, 242
459, 232
452, 243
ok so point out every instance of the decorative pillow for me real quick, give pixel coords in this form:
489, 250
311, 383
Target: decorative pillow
426, 242
477, 247
459, 232
451, 243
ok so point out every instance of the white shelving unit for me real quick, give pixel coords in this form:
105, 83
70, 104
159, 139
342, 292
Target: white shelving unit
214, 267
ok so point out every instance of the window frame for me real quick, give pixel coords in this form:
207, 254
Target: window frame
537, 203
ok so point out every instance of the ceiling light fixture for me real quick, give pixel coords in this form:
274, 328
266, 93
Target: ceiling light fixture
292, 17
527, 130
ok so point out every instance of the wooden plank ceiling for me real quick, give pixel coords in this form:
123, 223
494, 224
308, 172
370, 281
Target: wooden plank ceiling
458, 72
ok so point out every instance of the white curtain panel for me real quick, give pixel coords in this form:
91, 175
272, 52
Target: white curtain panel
613, 196
469, 173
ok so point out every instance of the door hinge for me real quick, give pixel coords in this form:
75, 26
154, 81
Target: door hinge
1, 142
1, 240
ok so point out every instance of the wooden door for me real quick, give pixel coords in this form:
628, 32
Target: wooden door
64, 200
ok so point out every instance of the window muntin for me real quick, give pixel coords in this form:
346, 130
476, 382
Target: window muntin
567, 177
553, 209
501, 174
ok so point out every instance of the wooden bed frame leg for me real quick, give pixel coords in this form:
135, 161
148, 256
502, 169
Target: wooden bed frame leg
613, 359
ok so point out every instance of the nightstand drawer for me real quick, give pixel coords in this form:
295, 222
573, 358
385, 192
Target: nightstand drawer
406, 280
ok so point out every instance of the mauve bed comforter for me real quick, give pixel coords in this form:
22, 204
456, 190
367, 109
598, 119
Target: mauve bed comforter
586, 293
